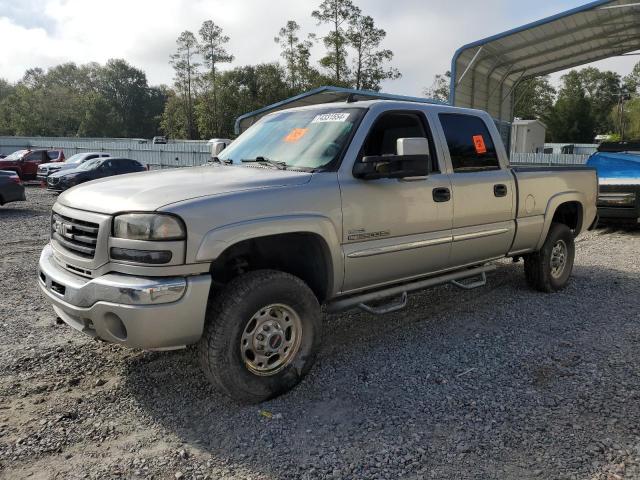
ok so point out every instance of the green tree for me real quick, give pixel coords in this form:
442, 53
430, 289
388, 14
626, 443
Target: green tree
571, 118
174, 120
296, 53
186, 71
127, 93
244, 89
602, 90
369, 68
288, 40
439, 89
632, 81
213, 50
337, 14
99, 119
534, 99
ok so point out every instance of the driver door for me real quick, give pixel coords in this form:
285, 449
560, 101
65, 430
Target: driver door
31, 162
394, 229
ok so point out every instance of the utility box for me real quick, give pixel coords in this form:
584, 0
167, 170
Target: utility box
527, 136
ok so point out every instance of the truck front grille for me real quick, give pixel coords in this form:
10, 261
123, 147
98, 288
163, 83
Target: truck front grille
77, 236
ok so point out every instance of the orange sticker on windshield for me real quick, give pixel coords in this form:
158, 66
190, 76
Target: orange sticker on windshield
478, 141
295, 134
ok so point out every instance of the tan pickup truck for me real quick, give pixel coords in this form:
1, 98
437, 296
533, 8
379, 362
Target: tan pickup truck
346, 205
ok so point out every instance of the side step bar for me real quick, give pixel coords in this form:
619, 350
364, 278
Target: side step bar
361, 301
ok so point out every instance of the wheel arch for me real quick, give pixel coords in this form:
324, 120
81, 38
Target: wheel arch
305, 246
566, 208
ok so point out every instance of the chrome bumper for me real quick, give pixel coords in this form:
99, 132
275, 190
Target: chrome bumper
141, 312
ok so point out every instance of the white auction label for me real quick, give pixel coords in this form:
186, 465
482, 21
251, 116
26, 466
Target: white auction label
331, 117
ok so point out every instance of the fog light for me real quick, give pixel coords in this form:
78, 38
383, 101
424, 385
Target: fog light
155, 257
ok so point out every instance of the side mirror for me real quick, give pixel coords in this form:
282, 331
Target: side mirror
412, 160
412, 146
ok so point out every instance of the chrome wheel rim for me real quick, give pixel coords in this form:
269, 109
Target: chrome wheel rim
558, 258
271, 339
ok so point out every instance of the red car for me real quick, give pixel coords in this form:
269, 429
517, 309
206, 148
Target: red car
25, 162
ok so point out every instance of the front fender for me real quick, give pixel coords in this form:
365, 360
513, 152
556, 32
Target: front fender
553, 204
220, 238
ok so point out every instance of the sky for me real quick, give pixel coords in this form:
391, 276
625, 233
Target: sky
423, 34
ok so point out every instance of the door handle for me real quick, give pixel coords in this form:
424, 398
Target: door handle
500, 190
441, 194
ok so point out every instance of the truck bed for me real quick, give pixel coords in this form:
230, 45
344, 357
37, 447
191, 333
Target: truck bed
542, 189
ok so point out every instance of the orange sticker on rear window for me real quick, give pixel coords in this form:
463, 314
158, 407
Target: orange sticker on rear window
295, 134
478, 141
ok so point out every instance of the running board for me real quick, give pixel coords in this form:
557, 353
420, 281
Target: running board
362, 300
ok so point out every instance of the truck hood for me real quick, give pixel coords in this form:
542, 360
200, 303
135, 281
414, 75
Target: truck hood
7, 163
149, 191
616, 167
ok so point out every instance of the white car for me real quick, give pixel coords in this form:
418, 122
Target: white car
46, 169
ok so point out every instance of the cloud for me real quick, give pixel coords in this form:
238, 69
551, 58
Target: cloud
423, 34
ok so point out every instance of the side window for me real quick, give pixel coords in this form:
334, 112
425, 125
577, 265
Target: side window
470, 145
91, 157
53, 154
389, 127
34, 156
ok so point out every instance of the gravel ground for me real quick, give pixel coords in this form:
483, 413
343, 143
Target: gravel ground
499, 382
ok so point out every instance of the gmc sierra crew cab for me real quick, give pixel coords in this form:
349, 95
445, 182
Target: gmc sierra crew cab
341, 205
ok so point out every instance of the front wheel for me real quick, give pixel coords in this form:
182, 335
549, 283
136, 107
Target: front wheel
261, 337
549, 269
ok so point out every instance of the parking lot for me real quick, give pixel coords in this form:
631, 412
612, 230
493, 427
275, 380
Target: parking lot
499, 382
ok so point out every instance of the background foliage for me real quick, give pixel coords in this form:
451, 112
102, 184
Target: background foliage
209, 93
115, 100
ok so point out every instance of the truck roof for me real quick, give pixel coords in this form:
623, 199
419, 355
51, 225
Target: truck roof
400, 104
323, 95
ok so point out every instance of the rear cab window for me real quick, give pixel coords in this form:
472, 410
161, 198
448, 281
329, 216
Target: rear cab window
471, 147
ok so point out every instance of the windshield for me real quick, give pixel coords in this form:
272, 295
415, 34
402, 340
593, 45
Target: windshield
91, 164
16, 155
307, 139
77, 158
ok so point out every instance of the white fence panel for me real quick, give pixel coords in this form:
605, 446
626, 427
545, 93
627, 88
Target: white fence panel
174, 154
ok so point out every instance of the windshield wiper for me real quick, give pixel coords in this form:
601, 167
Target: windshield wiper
266, 161
226, 161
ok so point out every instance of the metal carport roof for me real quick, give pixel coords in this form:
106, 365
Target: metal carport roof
318, 96
484, 73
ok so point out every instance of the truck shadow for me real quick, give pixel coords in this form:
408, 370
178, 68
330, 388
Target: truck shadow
461, 373
9, 211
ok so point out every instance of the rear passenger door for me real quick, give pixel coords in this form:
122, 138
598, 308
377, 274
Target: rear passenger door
483, 191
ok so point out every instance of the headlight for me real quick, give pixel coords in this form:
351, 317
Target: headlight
148, 226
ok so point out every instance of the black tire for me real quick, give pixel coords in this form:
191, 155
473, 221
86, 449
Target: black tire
229, 314
539, 271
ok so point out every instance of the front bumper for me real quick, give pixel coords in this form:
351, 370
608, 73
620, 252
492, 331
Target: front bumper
148, 313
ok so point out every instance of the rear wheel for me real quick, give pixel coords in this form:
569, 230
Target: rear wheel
262, 336
549, 269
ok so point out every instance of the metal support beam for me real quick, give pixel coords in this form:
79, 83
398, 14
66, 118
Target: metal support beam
475, 57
